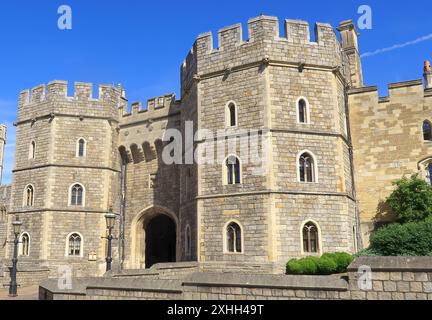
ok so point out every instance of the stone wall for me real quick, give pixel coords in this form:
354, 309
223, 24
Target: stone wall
392, 278
265, 77
388, 144
55, 122
152, 187
2, 148
27, 275
4, 209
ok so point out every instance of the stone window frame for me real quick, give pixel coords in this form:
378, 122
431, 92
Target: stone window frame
225, 171
188, 241
83, 195
25, 196
77, 152
225, 238
81, 255
307, 115
315, 166
32, 150
320, 248
20, 244
423, 166
228, 114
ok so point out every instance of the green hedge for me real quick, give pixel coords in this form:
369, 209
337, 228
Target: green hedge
329, 263
367, 253
410, 239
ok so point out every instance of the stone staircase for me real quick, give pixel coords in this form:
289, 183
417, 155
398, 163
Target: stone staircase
161, 271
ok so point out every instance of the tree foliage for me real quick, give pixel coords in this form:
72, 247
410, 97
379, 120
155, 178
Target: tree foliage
409, 239
411, 200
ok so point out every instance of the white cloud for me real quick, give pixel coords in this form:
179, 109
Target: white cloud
397, 46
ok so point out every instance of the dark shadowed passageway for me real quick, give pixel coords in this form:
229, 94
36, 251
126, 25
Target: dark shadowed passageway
160, 240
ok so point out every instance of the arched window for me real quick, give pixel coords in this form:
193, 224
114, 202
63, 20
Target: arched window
77, 195
234, 238
310, 238
233, 171
32, 150
231, 115
427, 131
188, 241
306, 168
29, 196
24, 245
81, 148
74, 245
302, 111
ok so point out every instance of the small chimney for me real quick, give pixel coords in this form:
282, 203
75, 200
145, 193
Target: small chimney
427, 74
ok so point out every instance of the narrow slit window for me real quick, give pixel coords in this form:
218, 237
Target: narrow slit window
302, 111
233, 170
234, 238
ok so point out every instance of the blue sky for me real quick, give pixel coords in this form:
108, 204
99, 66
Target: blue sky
141, 44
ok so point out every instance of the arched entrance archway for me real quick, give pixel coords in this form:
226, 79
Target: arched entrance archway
160, 240
146, 234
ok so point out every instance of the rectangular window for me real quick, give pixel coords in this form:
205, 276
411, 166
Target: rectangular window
230, 174
152, 181
81, 150
79, 201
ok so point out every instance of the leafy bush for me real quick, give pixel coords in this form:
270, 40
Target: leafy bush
411, 200
329, 263
366, 253
303, 266
410, 239
327, 266
343, 260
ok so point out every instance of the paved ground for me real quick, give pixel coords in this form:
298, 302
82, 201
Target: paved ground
27, 293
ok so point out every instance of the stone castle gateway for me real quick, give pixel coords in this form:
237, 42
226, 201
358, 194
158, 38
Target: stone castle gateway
334, 147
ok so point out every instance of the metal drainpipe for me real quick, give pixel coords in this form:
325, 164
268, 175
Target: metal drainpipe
123, 174
122, 212
351, 156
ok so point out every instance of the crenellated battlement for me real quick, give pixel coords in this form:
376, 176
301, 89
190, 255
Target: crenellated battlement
263, 42
266, 28
398, 92
59, 90
157, 107
3, 132
53, 98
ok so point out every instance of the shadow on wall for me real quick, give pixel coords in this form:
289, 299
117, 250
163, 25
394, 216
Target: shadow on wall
384, 216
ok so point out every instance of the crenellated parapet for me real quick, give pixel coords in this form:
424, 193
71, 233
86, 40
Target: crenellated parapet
155, 108
53, 99
142, 129
188, 70
264, 43
2, 132
399, 92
